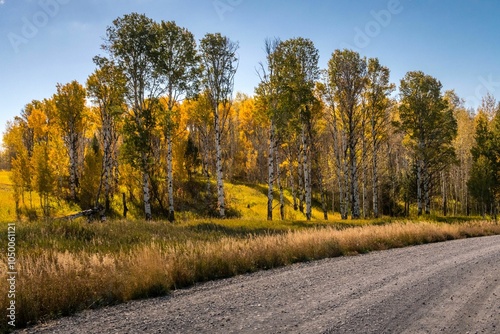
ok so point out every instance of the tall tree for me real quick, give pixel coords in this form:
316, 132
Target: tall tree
430, 127
106, 88
267, 97
70, 106
177, 68
219, 63
463, 144
131, 43
378, 102
44, 134
484, 181
19, 160
297, 71
347, 78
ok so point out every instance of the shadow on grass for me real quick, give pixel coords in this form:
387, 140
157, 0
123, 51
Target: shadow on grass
454, 219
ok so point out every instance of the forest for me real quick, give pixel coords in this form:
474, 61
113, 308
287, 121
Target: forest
157, 130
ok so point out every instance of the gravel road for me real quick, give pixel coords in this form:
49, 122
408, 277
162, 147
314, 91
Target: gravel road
449, 287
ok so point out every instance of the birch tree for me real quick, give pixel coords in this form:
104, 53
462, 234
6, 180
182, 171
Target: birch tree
177, 69
70, 106
297, 70
430, 127
267, 96
377, 95
347, 77
106, 88
219, 64
131, 43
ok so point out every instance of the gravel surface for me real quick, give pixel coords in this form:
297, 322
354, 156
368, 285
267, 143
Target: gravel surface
449, 287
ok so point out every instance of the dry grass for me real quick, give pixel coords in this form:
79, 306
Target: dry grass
53, 283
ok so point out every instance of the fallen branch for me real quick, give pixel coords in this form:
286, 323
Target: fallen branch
91, 214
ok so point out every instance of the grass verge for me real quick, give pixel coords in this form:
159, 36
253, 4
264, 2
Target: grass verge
54, 282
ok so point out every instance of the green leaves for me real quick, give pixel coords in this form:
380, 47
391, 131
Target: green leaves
426, 118
176, 61
219, 62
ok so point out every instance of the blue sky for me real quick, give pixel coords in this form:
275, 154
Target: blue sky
45, 42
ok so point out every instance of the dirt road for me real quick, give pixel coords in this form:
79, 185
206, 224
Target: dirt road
451, 287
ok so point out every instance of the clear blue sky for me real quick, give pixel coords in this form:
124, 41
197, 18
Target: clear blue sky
45, 42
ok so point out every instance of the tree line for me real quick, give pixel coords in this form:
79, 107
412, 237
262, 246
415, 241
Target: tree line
158, 120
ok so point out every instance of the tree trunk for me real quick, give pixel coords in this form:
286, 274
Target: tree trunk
355, 214
342, 200
340, 168
108, 164
307, 173
73, 178
427, 197
300, 173
270, 172
419, 188
280, 184
324, 197
221, 205
375, 180
125, 208
322, 190
445, 204
344, 180
294, 191
363, 193
170, 180
333, 197
145, 189
364, 169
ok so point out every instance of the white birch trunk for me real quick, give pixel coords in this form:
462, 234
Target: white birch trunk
364, 176
427, 198
344, 179
419, 187
445, 199
218, 156
280, 184
170, 180
324, 204
306, 165
354, 187
270, 173
375, 181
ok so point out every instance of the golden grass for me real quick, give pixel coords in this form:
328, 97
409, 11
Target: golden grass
53, 283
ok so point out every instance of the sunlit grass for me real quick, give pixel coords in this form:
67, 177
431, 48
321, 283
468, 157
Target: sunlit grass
8, 205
